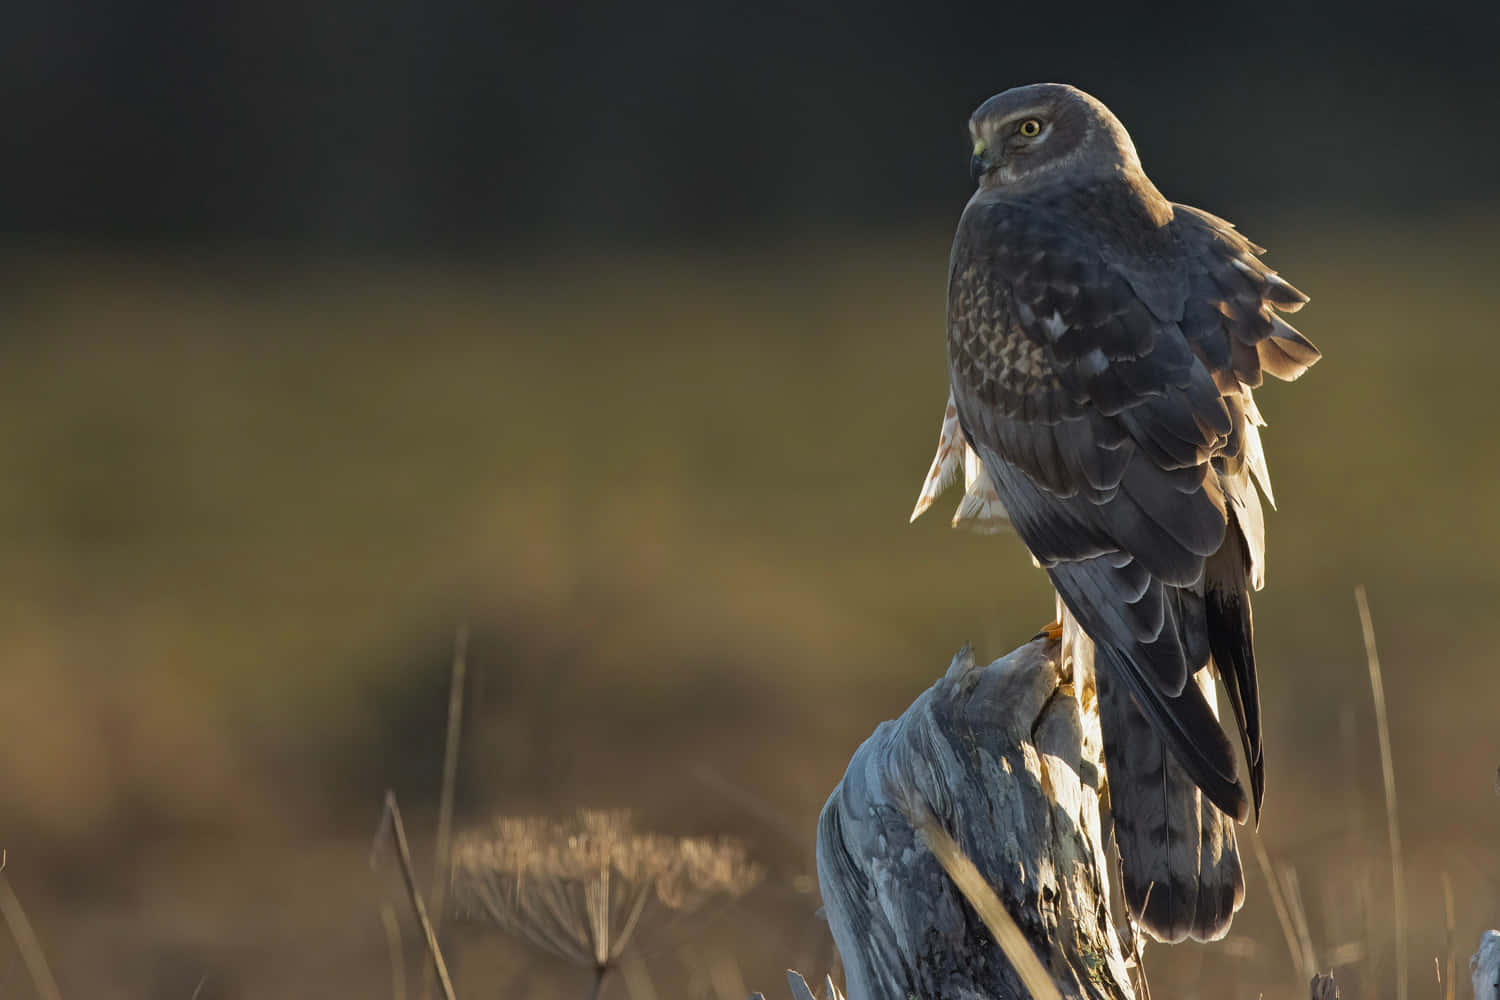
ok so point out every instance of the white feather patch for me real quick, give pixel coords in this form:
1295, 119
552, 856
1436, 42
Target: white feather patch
1255, 456
1210, 690
945, 464
980, 508
1078, 657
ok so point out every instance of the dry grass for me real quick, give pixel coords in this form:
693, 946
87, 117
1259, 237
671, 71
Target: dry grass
24, 936
1388, 775
392, 826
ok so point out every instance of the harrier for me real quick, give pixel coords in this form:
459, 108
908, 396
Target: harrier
1103, 343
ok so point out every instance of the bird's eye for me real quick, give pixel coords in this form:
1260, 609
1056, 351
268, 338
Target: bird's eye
1030, 128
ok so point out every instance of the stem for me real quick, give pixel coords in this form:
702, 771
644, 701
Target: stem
599, 973
26, 940
392, 820
450, 776
1388, 771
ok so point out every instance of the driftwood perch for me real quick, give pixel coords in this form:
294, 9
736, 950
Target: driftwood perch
1004, 761
1484, 967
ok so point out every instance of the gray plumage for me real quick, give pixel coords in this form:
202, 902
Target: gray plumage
1103, 343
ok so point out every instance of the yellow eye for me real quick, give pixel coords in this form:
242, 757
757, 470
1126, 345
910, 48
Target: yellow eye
1030, 128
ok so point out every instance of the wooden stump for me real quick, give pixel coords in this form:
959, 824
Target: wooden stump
1005, 761
1484, 967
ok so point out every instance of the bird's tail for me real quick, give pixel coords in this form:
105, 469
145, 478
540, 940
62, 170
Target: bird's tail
1178, 859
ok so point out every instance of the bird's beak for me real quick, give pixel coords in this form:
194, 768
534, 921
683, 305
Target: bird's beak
978, 165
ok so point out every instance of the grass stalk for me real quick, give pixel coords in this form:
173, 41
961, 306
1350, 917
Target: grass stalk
1388, 771
451, 745
391, 820
26, 940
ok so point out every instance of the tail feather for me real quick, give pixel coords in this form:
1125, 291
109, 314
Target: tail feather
1179, 862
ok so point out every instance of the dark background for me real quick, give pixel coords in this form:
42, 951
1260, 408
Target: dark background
464, 124
614, 332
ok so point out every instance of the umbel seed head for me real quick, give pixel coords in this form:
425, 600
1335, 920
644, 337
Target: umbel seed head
578, 888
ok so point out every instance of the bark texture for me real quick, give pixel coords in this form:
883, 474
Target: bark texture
1008, 763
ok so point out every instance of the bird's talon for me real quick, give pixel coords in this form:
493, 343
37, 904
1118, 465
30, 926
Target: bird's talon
1052, 632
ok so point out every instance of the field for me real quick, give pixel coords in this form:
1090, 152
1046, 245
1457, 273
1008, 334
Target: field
246, 499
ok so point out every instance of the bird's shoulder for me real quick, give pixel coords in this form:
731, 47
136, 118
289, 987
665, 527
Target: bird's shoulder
1078, 247
1087, 275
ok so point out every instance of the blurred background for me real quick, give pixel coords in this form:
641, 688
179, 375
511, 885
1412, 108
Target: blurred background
615, 333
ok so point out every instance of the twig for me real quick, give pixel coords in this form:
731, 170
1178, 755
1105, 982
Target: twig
391, 820
450, 779
26, 939
1398, 874
394, 948
1008, 935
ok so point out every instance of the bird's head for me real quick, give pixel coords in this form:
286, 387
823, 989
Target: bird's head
1045, 131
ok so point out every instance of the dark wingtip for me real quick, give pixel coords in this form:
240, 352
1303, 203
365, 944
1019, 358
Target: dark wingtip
1257, 787
1226, 793
1191, 731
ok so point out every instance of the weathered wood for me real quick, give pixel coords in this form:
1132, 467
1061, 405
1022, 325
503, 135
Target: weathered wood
1484, 967
1008, 765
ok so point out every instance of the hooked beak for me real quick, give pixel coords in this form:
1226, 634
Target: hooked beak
978, 165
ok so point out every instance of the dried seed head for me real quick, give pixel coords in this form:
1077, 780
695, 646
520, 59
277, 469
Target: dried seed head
577, 888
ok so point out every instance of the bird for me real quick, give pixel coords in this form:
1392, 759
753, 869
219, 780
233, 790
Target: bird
1103, 343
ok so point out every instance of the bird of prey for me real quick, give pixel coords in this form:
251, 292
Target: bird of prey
1103, 343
